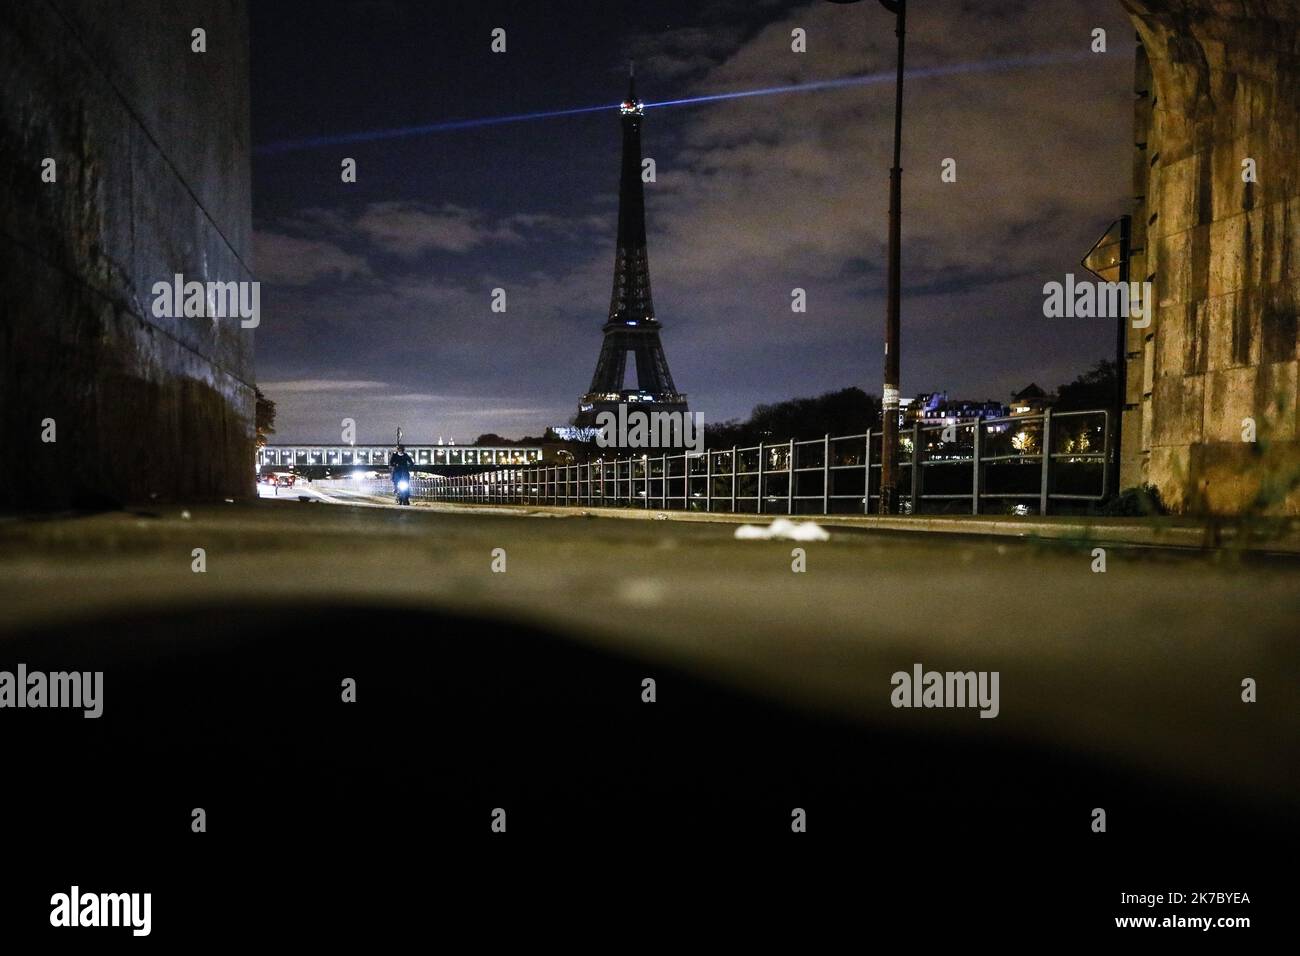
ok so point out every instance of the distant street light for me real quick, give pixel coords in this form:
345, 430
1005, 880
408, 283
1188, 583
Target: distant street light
890, 395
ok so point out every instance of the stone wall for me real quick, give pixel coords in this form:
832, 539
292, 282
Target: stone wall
1223, 254
151, 142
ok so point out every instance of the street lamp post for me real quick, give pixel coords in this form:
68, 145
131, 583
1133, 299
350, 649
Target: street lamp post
1110, 261
890, 395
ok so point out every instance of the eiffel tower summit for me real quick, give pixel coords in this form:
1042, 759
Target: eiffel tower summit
631, 329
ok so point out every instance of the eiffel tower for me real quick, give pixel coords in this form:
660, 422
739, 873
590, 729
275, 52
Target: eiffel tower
631, 327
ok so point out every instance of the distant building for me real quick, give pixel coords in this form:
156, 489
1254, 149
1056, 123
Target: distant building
574, 432
1031, 400
936, 408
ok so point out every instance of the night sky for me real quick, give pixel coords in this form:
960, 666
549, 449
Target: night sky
376, 295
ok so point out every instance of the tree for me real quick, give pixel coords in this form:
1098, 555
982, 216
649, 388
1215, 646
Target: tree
849, 411
264, 416
1095, 388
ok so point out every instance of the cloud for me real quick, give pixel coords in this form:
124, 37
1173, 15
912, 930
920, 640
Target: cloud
682, 52
758, 196
308, 413
308, 246
475, 413
803, 188
409, 228
415, 397
290, 260
319, 385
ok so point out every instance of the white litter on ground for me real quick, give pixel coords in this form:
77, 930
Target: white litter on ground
783, 529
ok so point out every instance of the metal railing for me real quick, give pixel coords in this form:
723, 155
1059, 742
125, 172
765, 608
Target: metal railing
1015, 465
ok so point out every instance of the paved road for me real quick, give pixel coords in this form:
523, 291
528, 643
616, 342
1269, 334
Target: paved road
1140, 665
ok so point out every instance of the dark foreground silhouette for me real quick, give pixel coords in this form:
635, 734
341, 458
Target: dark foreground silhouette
327, 818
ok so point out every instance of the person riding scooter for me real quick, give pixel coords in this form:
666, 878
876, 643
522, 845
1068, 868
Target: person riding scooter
401, 463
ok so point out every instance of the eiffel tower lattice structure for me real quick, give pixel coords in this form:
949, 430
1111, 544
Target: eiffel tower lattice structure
631, 328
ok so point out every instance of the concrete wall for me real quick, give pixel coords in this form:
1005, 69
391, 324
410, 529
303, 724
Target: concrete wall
151, 142
1224, 255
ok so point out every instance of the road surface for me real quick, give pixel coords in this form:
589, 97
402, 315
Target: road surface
1140, 664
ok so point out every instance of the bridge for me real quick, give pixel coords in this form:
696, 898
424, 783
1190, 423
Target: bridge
448, 457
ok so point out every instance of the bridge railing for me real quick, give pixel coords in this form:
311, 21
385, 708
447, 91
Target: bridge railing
1045, 462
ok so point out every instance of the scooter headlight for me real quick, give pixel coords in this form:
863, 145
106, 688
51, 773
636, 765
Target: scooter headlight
403, 485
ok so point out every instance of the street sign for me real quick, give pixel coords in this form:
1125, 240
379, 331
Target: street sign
1105, 260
